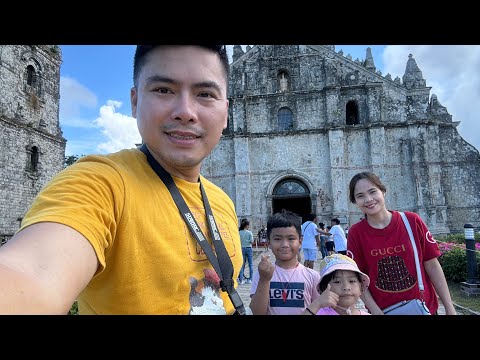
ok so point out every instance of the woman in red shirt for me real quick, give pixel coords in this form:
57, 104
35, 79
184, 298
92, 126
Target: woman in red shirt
381, 247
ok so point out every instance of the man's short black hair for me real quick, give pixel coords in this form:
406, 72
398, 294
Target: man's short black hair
142, 51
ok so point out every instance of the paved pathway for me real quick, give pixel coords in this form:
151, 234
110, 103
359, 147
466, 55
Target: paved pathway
244, 290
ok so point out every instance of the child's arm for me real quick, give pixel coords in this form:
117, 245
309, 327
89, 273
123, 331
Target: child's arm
261, 298
326, 299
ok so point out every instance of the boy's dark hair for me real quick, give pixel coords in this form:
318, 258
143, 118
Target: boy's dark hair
336, 221
142, 51
321, 225
310, 217
326, 279
284, 219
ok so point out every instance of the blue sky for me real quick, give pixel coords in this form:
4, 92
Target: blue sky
95, 83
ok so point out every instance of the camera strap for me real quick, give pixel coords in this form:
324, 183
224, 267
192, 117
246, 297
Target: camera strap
222, 264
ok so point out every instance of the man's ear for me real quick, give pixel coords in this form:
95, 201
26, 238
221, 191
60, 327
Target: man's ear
133, 101
225, 124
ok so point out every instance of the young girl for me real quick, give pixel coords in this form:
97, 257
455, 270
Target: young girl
381, 247
341, 284
286, 287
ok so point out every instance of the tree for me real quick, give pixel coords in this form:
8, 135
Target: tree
69, 160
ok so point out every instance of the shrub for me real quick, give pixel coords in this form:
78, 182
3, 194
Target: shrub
456, 238
454, 260
74, 309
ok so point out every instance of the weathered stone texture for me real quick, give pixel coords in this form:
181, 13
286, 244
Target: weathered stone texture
396, 129
33, 148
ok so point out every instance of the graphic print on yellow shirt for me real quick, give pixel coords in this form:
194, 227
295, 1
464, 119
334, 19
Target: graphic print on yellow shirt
205, 295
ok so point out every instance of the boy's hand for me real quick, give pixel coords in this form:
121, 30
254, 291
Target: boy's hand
265, 268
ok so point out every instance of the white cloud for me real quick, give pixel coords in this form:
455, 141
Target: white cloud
74, 97
120, 130
453, 73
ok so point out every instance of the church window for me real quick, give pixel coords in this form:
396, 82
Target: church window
31, 76
290, 188
351, 113
285, 119
34, 156
283, 79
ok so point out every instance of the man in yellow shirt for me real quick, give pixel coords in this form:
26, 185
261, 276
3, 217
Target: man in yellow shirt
107, 230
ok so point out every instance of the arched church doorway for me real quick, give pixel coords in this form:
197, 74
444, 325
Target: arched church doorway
292, 195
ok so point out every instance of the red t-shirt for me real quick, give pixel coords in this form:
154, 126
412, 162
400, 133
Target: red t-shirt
386, 256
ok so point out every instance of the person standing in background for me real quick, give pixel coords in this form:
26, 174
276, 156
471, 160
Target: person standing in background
339, 237
329, 244
262, 236
246, 239
311, 238
323, 240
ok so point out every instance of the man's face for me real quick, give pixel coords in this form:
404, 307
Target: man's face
181, 107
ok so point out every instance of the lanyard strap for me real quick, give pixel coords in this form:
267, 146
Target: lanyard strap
222, 264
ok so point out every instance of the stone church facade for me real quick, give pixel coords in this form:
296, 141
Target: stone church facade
33, 147
304, 119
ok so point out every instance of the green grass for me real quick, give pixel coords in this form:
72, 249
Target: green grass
472, 303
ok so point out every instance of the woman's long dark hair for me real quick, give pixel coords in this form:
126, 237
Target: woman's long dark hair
243, 224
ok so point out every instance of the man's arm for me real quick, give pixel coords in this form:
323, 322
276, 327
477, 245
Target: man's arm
323, 232
43, 268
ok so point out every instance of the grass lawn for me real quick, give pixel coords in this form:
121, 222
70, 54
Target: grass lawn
472, 303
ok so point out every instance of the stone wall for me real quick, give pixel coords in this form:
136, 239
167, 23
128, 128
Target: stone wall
33, 148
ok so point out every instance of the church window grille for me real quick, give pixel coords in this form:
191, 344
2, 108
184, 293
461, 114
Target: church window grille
290, 188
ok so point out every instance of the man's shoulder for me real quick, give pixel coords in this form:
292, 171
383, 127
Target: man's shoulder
121, 157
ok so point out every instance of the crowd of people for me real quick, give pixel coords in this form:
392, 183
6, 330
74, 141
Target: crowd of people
141, 231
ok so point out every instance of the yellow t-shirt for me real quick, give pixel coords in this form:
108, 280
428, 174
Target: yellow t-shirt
149, 261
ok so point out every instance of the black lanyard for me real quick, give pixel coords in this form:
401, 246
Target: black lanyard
222, 265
